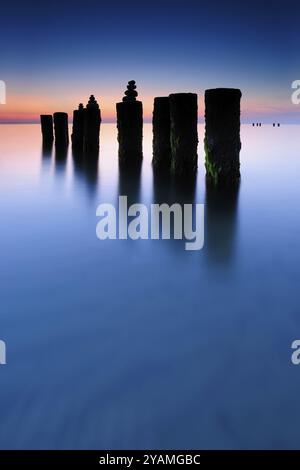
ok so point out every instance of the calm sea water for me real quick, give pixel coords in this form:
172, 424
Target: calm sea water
141, 344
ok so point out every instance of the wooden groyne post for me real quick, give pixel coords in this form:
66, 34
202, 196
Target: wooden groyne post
222, 135
92, 121
183, 133
78, 127
61, 130
161, 133
47, 128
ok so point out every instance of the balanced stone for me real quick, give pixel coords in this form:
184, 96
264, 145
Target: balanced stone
131, 93
92, 121
130, 126
78, 127
222, 135
183, 133
61, 129
161, 133
47, 128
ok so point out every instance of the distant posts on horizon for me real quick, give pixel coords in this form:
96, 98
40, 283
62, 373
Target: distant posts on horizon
130, 126
161, 133
61, 130
47, 129
92, 121
78, 127
183, 133
222, 135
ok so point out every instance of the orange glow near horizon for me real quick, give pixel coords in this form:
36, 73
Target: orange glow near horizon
27, 108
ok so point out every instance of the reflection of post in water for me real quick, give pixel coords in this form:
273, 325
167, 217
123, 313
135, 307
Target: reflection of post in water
86, 165
168, 189
60, 158
46, 155
220, 221
61, 153
47, 150
171, 189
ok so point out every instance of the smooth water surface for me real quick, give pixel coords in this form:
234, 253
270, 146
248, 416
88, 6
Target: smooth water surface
141, 344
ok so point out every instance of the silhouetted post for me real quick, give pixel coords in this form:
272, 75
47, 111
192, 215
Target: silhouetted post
78, 127
183, 132
161, 133
222, 135
47, 128
278, 124
130, 126
92, 121
61, 129
253, 124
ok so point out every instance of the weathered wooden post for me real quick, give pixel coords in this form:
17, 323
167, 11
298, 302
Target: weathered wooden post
78, 127
183, 133
130, 126
92, 121
222, 135
61, 129
47, 128
161, 133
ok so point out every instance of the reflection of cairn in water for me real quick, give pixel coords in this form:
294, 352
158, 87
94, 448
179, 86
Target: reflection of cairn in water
130, 182
92, 121
130, 126
220, 221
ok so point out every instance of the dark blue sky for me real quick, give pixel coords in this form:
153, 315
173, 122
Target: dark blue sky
54, 54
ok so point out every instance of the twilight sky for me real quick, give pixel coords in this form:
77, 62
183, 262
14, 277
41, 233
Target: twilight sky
53, 55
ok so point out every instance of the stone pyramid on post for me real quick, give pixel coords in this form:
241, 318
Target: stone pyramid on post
130, 126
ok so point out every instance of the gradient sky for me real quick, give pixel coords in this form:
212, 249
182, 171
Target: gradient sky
53, 55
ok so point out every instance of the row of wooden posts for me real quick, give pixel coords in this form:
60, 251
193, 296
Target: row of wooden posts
175, 136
